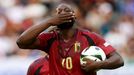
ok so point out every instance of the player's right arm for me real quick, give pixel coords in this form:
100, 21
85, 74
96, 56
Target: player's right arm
28, 39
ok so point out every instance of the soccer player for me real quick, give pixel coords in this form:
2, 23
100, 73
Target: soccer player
65, 46
39, 67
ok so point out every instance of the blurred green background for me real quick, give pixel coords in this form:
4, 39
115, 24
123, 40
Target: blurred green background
113, 19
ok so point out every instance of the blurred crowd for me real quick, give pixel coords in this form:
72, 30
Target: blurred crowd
113, 19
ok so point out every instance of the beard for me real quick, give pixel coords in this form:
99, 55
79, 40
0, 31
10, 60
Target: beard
66, 25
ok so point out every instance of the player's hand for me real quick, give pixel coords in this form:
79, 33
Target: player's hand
61, 18
90, 65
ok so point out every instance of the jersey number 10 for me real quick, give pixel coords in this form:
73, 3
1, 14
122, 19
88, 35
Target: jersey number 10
67, 63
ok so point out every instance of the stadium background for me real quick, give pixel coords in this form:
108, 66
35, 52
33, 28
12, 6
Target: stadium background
113, 19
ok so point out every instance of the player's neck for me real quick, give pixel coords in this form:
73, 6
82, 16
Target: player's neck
68, 34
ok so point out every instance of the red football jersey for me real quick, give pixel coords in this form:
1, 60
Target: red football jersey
64, 56
39, 67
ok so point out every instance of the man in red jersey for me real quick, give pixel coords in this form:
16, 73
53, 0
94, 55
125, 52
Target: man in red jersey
39, 67
65, 46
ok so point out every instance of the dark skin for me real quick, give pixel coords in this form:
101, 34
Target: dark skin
113, 61
28, 39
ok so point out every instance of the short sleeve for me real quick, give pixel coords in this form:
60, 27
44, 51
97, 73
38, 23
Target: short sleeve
43, 39
99, 41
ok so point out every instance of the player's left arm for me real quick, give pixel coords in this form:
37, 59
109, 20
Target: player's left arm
113, 61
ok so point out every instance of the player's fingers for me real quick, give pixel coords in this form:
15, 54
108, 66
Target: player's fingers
67, 21
84, 67
84, 64
66, 15
85, 59
88, 60
68, 18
